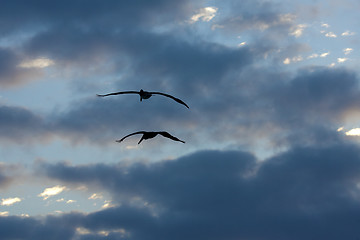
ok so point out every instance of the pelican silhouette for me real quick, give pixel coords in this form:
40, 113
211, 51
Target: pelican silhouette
148, 135
144, 95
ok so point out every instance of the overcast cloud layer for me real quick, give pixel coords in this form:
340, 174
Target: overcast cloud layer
256, 82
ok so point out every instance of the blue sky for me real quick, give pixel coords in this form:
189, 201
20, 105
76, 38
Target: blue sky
272, 134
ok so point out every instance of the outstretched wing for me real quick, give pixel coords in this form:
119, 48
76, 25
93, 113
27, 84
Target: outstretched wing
116, 93
167, 95
168, 135
120, 140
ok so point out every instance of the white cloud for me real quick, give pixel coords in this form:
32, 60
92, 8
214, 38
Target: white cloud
9, 201
96, 196
340, 129
107, 204
325, 25
341, 60
287, 61
348, 33
331, 35
48, 192
294, 59
353, 132
70, 201
298, 30
4, 214
241, 44
204, 14
324, 54
314, 55
347, 51
37, 63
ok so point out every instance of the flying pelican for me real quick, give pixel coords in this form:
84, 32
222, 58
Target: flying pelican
148, 135
144, 95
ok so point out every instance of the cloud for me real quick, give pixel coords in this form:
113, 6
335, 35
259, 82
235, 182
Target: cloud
37, 63
49, 192
94, 12
9, 173
12, 75
347, 51
19, 124
330, 35
341, 60
9, 201
347, 33
4, 214
325, 25
96, 196
298, 30
324, 54
265, 17
204, 14
353, 132
259, 198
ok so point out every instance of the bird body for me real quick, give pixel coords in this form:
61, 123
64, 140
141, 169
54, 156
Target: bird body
144, 95
148, 135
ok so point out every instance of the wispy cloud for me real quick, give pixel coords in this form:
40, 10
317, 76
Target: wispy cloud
37, 63
330, 35
9, 201
49, 192
96, 196
107, 204
324, 54
341, 60
204, 14
4, 214
347, 33
325, 25
348, 51
294, 59
241, 44
298, 30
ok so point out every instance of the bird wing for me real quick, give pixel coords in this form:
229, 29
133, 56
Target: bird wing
116, 93
167, 95
140, 132
168, 135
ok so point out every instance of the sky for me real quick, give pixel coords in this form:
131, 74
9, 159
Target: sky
272, 134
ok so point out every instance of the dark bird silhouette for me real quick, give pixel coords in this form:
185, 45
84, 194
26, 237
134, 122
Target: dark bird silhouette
144, 95
148, 135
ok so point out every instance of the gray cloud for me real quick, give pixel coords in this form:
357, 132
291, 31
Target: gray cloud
313, 101
93, 12
229, 195
10, 72
19, 124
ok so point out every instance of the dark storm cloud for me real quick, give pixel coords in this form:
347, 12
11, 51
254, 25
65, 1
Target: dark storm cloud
306, 192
